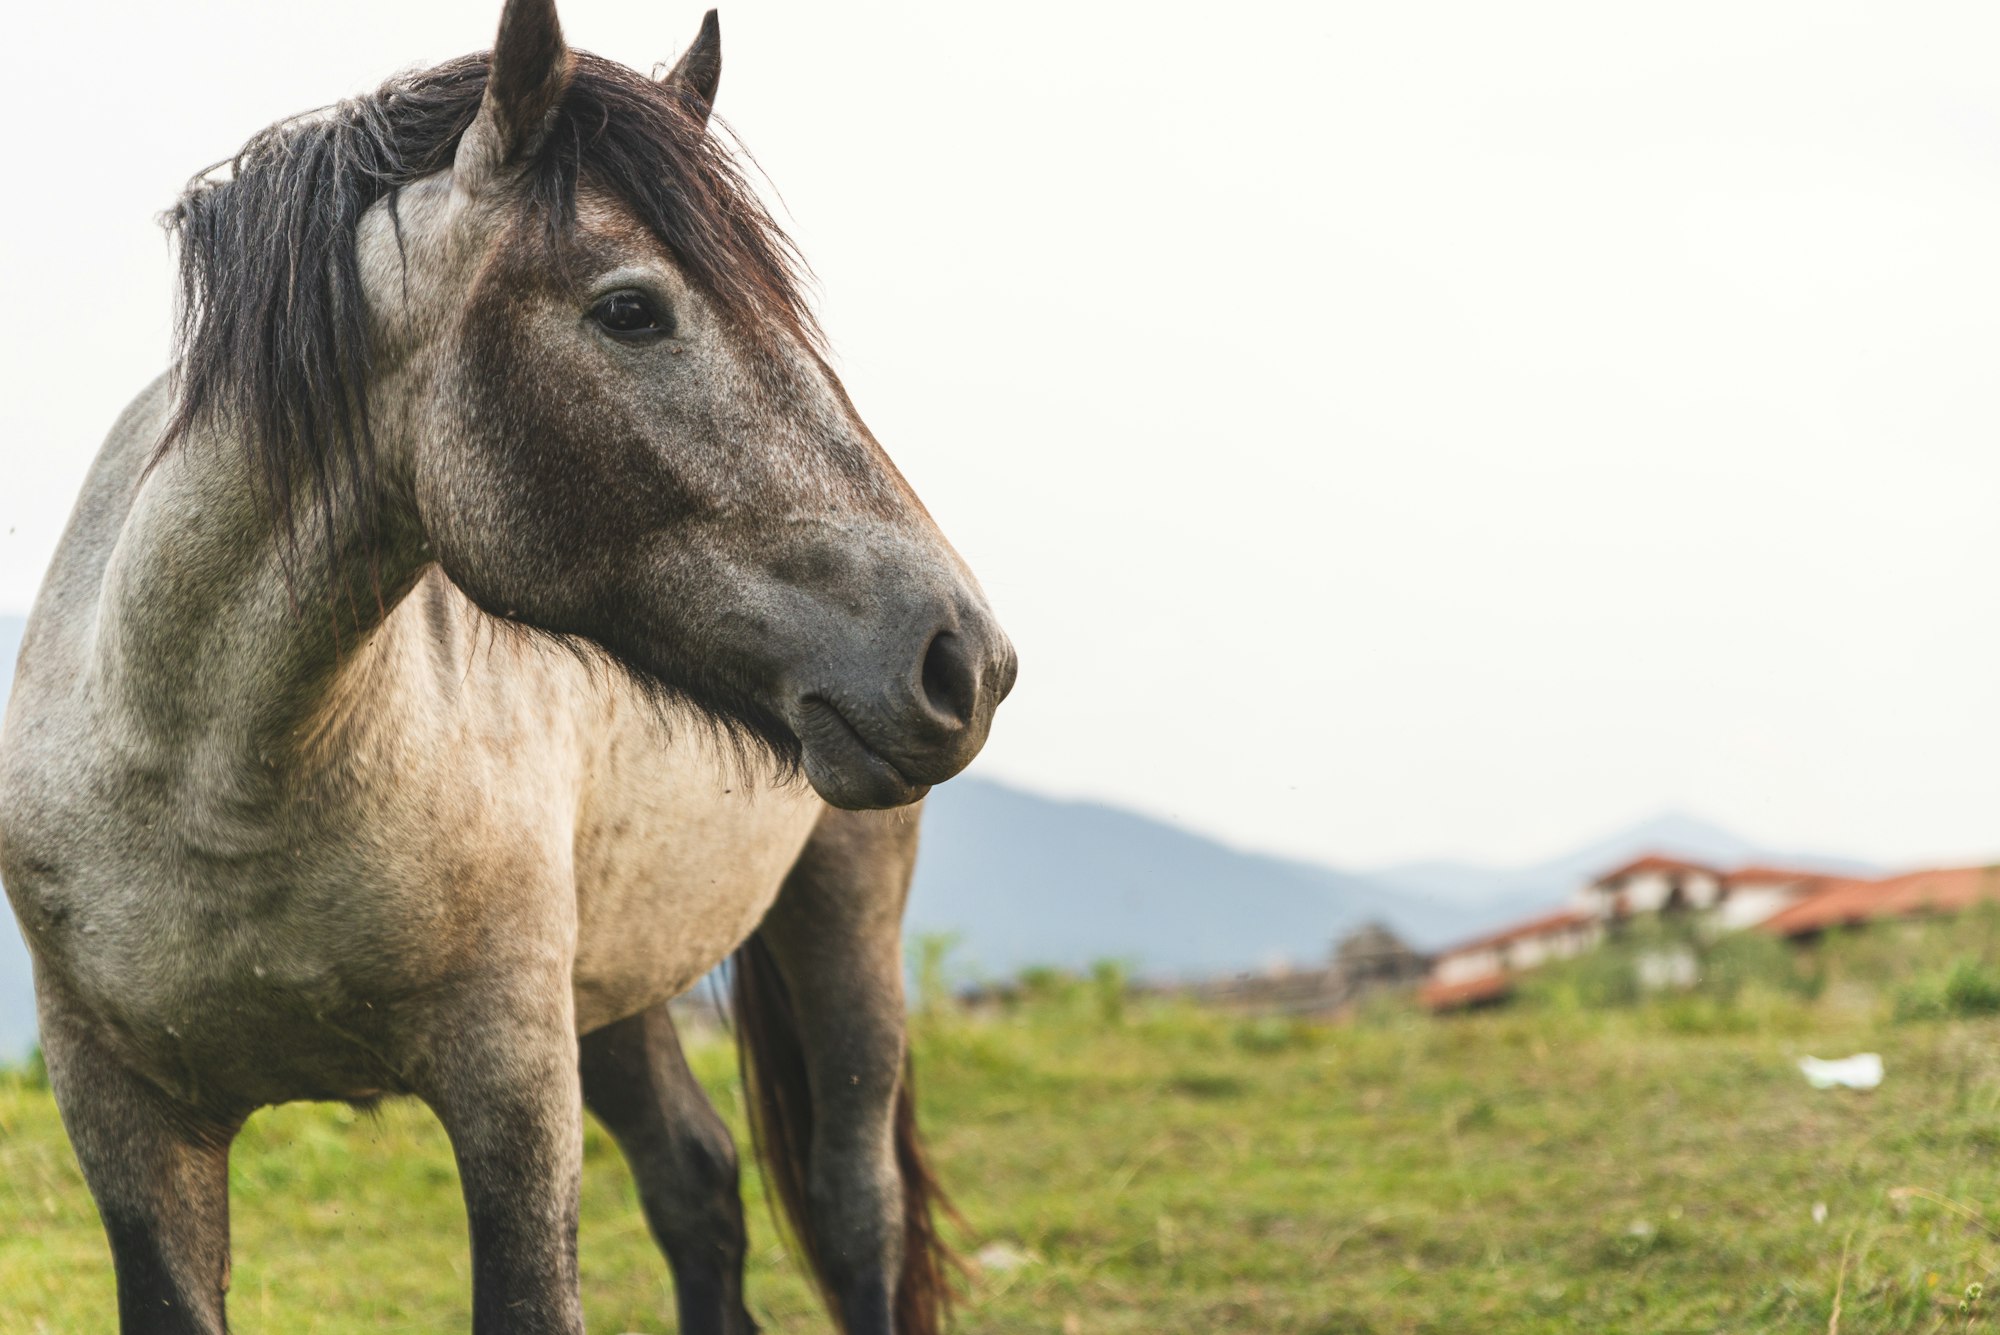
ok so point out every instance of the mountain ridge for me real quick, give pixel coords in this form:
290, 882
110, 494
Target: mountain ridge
1025, 880
11, 630
17, 984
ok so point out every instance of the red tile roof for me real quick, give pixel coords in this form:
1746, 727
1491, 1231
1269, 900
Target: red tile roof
1654, 862
1771, 876
1470, 992
1839, 902
1547, 923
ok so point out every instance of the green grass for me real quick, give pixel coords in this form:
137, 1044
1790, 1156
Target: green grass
1589, 1160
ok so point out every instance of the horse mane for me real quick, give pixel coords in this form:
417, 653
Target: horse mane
272, 333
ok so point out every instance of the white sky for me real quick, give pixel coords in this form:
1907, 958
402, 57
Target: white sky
1387, 430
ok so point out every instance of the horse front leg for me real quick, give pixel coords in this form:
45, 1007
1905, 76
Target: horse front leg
502, 1078
158, 1169
820, 1013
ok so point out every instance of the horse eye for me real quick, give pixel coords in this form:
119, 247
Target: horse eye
628, 312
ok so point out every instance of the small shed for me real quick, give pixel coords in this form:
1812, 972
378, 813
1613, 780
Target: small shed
1371, 958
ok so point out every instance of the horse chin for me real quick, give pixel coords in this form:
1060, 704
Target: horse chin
841, 766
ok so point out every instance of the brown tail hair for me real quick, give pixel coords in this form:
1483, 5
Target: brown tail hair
781, 1126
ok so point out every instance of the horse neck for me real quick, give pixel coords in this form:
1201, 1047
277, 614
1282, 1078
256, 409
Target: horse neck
215, 649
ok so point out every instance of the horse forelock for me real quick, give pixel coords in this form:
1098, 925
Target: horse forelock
273, 339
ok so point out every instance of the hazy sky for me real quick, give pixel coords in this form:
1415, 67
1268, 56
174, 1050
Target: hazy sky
1386, 429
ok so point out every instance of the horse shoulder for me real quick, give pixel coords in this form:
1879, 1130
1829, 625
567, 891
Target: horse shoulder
46, 739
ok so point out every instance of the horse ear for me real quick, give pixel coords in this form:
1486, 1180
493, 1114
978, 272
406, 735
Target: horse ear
529, 73
699, 70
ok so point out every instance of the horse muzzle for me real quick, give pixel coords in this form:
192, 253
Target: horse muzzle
879, 734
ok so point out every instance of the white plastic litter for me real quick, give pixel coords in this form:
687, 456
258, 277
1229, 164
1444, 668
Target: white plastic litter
1861, 1071
1002, 1256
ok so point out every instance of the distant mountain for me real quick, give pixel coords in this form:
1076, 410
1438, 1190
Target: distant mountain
10, 649
1492, 895
17, 987
1023, 879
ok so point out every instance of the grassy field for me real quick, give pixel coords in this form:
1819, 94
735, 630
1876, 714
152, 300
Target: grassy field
1588, 1160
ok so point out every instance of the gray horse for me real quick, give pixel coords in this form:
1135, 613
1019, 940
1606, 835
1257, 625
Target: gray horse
499, 617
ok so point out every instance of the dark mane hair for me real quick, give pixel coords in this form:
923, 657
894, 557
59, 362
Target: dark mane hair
272, 335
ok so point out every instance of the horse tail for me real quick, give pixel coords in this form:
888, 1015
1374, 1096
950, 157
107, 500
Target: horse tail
924, 1291
779, 1099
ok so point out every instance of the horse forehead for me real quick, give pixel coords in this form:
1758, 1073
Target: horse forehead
602, 219
602, 234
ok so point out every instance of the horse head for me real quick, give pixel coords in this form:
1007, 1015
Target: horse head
599, 394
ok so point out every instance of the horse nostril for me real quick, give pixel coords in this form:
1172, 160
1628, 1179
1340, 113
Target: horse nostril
950, 684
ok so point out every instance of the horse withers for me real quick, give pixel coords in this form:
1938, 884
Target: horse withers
497, 618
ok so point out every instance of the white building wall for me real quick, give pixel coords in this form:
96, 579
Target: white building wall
1649, 891
1463, 968
1645, 892
1749, 905
1559, 943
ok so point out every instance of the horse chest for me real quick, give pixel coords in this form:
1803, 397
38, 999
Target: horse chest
673, 876
279, 956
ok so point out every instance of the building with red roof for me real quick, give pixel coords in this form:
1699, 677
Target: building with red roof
1841, 902
1784, 901
1653, 884
1751, 895
1479, 971
1485, 989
